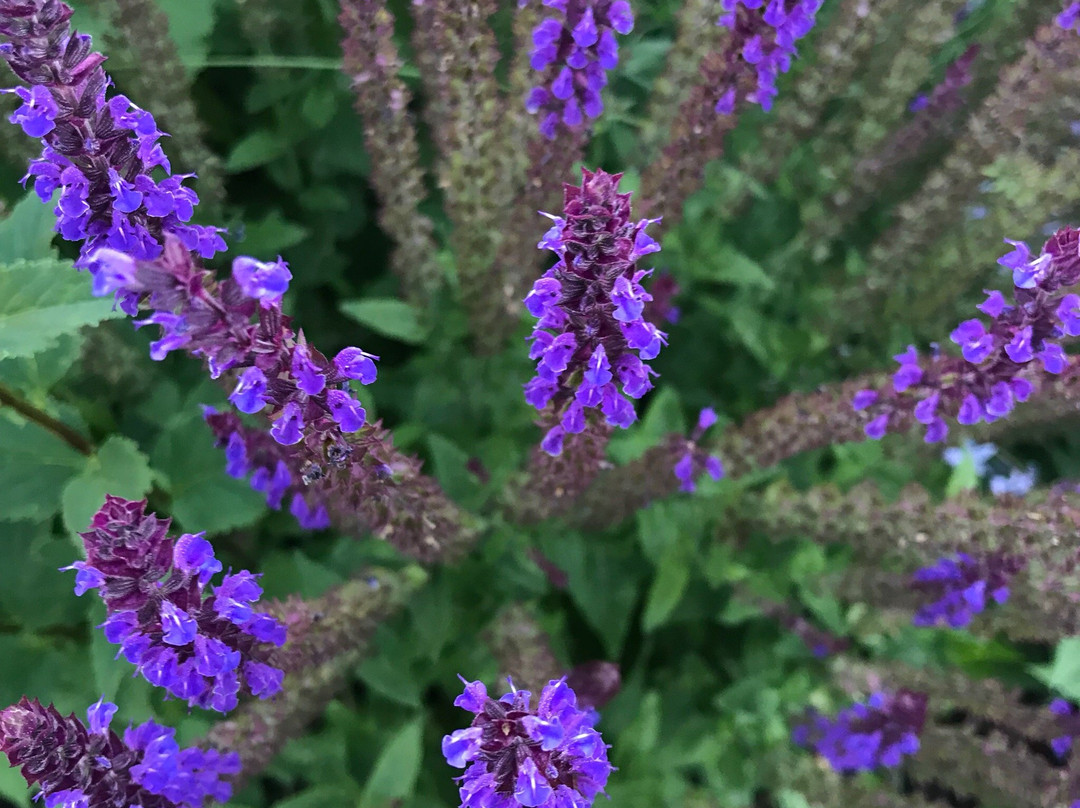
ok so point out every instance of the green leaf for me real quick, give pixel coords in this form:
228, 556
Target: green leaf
663, 417
204, 497
394, 775
31, 589
963, 478
190, 23
1063, 674
256, 149
391, 318
42, 300
731, 266
118, 468
449, 466
34, 467
667, 588
27, 232
272, 234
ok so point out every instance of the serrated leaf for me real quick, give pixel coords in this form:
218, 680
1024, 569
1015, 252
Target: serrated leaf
34, 467
27, 232
32, 590
117, 468
392, 318
394, 775
42, 300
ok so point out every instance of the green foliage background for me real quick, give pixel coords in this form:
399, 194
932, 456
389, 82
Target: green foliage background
710, 683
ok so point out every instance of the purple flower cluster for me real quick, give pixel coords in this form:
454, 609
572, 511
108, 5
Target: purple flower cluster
514, 755
1069, 18
591, 330
866, 736
87, 765
99, 152
992, 376
573, 52
249, 451
767, 40
199, 646
1068, 720
694, 461
304, 393
962, 586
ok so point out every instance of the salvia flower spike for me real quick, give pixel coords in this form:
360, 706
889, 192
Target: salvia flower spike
867, 735
237, 325
573, 51
962, 586
514, 754
999, 361
99, 153
200, 643
591, 337
768, 30
87, 765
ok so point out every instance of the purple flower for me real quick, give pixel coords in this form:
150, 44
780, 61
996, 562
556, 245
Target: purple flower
573, 52
863, 399
591, 336
352, 363
974, 341
173, 633
288, 429
249, 395
866, 736
960, 586
515, 754
88, 765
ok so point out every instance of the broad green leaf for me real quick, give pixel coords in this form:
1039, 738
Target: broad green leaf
42, 300
32, 590
1063, 674
35, 375
320, 796
12, 785
731, 266
256, 149
663, 417
118, 468
396, 769
27, 232
667, 588
448, 463
272, 234
203, 496
190, 23
34, 466
395, 319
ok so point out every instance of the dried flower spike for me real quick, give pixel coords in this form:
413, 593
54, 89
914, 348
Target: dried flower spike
516, 755
199, 646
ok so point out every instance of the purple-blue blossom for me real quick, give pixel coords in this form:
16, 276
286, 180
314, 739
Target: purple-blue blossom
573, 51
1017, 483
101, 153
591, 340
202, 644
253, 452
999, 359
962, 586
694, 461
867, 735
767, 31
516, 754
87, 765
